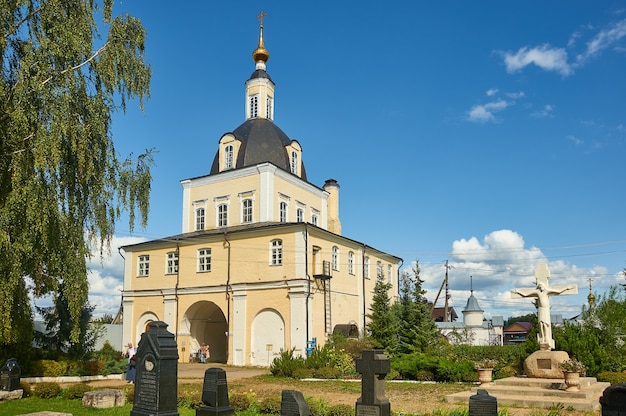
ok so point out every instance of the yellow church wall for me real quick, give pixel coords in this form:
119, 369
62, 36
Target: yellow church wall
296, 197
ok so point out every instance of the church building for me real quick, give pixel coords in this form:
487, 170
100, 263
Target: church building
261, 265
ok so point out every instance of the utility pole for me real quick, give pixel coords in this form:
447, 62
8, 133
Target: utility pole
446, 312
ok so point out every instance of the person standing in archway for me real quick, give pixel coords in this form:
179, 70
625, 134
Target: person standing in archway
205, 352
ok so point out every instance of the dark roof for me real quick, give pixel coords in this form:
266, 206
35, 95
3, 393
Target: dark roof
259, 73
261, 141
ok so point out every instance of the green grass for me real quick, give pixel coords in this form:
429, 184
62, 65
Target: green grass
75, 407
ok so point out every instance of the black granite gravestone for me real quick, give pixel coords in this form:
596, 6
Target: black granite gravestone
292, 403
613, 400
373, 365
215, 394
482, 404
10, 375
156, 381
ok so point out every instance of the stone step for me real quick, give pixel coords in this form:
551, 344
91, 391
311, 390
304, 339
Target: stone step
527, 401
544, 393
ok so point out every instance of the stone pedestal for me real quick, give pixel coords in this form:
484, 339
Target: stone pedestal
545, 364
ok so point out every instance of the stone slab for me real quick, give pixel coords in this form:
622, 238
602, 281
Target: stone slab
11, 395
103, 399
541, 393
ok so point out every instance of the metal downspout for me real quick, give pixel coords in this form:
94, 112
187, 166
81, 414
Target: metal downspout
228, 297
308, 277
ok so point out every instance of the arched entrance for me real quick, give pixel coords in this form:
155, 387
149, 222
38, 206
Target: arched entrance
207, 323
143, 324
268, 337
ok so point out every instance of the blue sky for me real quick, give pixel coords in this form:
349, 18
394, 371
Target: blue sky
490, 134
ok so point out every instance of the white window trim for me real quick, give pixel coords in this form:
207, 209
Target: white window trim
205, 256
171, 256
351, 262
276, 260
145, 271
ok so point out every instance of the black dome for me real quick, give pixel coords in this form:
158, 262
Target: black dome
261, 141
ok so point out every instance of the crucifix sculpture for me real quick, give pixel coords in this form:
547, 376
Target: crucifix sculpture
542, 292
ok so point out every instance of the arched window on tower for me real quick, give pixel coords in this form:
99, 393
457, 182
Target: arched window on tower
229, 156
254, 106
294, 162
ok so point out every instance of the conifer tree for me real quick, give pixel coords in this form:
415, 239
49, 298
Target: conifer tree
417, 329
62, 185
382, 328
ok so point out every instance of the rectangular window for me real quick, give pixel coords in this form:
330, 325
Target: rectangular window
283, 212
277, 253
379, 270
366, 267
269, 109
229, 153
299, 215
389, 273
246, 211
254, 106
351, 262
204, 260
222, 215
144, 266
335, 258
200, 219
172, 263
314, 219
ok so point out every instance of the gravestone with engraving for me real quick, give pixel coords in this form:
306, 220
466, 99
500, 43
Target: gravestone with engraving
215, 394
373, 365
156, 381
613, 400
482, 404
292, 403
10, 375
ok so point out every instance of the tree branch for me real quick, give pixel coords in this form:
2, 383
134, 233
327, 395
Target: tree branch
91, 58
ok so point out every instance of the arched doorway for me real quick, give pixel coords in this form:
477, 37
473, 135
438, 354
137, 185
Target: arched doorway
143, 324
207, 323
268, 337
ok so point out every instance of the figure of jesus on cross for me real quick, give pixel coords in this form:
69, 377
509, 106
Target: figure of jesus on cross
542, 292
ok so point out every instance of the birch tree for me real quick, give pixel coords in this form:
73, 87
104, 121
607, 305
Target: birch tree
67, 66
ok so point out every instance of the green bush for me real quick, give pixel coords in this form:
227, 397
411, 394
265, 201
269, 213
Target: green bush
301, 373
47, 390
26, 389
76, 391
455, 371
93, 367
285, 364
190, 400
48, 368
130, 393
611, 377
112, 366
327, 373
239, 401
270, 405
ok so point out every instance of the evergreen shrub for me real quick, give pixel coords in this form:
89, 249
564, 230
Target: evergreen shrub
612, 377
47, 390
93, 367
26, 389
48, 368
286, 363
76, 391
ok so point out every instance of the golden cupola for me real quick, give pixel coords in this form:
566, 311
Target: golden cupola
260, 54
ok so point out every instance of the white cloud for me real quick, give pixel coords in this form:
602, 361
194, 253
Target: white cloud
501, 261
106, 277
545, 57
546, 111
603, 40
485, 112
575, 140
492, 92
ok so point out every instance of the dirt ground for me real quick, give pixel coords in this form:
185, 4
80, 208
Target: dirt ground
411, 398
